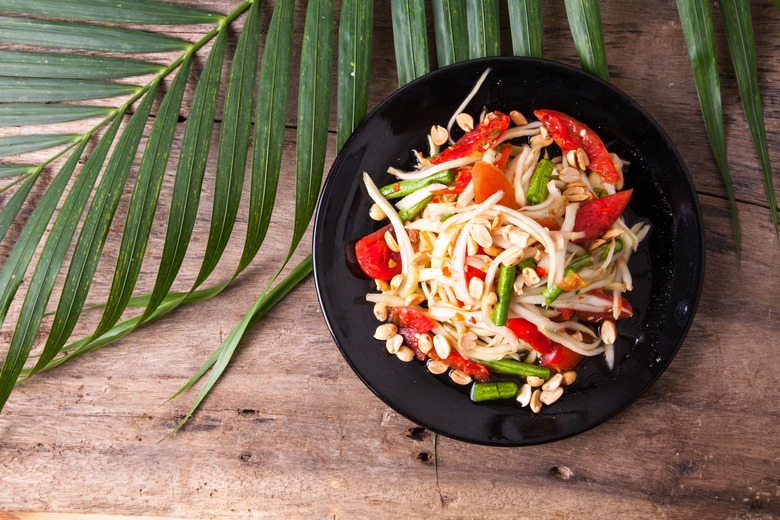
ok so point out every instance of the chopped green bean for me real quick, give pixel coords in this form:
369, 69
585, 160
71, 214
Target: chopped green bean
551, 293
408, 214
403, 188
493, 391
537, 189
506, 279
517, 368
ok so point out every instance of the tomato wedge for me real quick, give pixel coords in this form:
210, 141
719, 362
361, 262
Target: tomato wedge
597, 216
570, 134
552, 355
374, 256
476, 141
489, 179
560, 358
411, 318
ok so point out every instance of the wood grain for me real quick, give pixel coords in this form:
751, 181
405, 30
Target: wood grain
282, 436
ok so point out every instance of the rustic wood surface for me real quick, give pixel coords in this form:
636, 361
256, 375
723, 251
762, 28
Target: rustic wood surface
290, 431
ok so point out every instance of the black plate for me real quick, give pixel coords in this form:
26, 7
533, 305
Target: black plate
668, 269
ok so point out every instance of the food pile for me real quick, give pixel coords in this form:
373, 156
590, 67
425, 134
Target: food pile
504, 262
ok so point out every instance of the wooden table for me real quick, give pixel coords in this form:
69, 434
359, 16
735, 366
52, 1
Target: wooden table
290, 431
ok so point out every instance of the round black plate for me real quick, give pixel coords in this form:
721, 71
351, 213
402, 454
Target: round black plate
668, 269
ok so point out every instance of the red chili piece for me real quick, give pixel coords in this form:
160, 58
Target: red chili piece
570, 134
477, 140
552, 355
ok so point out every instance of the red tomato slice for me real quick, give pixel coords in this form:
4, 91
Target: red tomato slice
488, 180
597, 216
560, 358
626, 310
412, 318
374, 256
570, 134
477, 140
527, 331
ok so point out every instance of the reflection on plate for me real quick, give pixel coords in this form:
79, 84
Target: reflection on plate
667, 270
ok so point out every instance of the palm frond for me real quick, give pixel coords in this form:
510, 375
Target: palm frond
525, 22
742, 46
126, 11
49, 90
354, 62
85, 37
585, 23
269, 128
18, 114
143, 201
410, 39
313, 111
482, 23
15, 203
9, 170
18, 144
233, 142
697, 29
451, 31
80, 66
189, 173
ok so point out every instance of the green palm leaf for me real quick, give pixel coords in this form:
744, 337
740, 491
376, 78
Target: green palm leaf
37, 90
64, 228
29, 143
233, 142
450, 30
739, 34
482, 22
144, 201
525, 21
81, 66
9, 170
269, 128
354, 63
115, 11
189, 173
313, 111
410, 39
96, 225
585, 23
34, 305
14, 204
86, 37
23, 114
698, 31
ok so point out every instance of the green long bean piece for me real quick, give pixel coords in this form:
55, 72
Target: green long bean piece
493, 391
517, 368
408, 214
506, 279
400, 189
537, 189
601, 252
